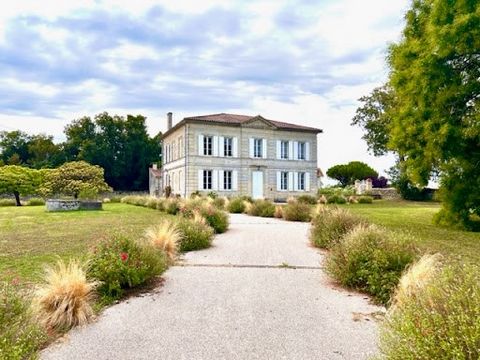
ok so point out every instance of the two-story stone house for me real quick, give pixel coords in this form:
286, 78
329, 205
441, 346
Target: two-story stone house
239, 155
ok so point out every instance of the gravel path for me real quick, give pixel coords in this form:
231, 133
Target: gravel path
236, 300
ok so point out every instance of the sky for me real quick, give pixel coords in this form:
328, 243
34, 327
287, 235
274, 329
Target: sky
305, 62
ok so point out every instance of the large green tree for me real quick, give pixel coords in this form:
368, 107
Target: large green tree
435, 72
19, 181
346, 174
14, 147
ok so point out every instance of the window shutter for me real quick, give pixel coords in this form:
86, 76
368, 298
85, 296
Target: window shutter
235, 147
264, 148
295, 181
220, 180
307, 151
279, 180
215, 180
290, 181
235, 180
290, 150
279, 149
307, 181
200, 179
221, 146
251, 147
215, 146
200, 144
295, 150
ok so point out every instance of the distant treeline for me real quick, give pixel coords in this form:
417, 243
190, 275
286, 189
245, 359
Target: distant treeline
121, 146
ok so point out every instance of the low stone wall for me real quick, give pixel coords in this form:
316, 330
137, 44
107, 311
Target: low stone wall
72, 205
385, 193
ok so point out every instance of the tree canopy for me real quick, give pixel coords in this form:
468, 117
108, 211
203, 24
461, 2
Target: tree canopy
19, 181
346, 174
432, 123
73, 178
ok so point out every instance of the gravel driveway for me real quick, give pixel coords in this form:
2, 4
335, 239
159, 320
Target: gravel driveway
258, 293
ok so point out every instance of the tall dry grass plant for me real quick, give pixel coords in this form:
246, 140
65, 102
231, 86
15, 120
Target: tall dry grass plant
165, 237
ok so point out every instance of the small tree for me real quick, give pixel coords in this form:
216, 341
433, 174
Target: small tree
346, 174
74, 178
19, 180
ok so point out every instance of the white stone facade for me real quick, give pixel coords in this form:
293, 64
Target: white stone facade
254, 158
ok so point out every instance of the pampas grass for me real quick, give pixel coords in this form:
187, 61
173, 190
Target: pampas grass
278, 212
199, 218
247, 206
165, 237
416, 278
64, 299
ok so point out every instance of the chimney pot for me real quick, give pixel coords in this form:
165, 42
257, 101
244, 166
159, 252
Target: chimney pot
169, 120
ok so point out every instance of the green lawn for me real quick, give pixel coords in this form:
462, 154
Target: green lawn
416, 218
31, 237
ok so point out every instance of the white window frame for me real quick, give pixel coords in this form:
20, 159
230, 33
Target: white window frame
284, 147
302, 150
208, 145
227, 180
284, 181
258, 148
228, 147
207, 179
302, 182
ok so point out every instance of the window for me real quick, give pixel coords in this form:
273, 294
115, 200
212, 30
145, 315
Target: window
227, 180
180, 146
284, 180
207, 179
284, 150
228, 146
301, 181
301, 151
257, 148
208, 145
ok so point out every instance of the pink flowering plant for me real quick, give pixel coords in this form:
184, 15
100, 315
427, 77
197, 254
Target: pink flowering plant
121, 263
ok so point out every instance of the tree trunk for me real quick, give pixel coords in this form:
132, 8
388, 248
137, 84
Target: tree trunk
17, 198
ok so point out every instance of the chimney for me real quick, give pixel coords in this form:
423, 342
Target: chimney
169, 120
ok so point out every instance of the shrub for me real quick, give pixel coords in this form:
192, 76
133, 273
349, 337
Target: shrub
20, 335
336, 199
195, 235
371, 259
115, 199
216, 218
307, 199
365, 200
219, 202
297, 211
352, 200
64, 299
36, 202
172, 206
440, 321
330, 225
263, 208
160, 205
151, 203
165, 237
236, 205
7, 202
322, 199
278, 212
106, 200
121, 263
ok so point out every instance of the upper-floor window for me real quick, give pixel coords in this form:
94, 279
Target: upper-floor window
301, 151
207, 179
284, 150
208, 145
257, 148
284, 180
227, 180
301, 181
228, 146
180, 146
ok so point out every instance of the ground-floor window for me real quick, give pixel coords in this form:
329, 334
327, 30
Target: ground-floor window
227, 180
284, 180
207, 179
301, 181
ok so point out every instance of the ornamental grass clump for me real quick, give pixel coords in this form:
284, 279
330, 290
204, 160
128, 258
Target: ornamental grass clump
439, 321
236, 206
36, 202
263, 208
371, 259
65, 297
365, 200
297, 211
278, 212
165, 237
20, 334
330, 225
194, 235
121, 263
